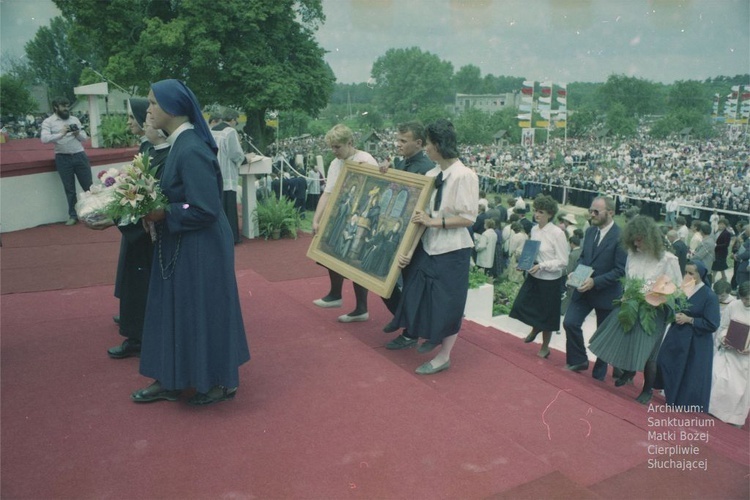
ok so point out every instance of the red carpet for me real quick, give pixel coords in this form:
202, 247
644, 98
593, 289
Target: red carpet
323, 412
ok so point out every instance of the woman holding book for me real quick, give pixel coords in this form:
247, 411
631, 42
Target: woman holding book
686, 356
730, 386
539, 300
637, 349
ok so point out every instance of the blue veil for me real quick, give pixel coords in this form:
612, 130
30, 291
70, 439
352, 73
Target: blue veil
177, 99
138, 106
702, 271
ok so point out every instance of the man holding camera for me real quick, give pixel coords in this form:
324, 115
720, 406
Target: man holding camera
70, 159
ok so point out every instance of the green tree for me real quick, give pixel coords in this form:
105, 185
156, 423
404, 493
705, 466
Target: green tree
429, 114
681, 119
689, 95
53, 60
253, 55
620, 122
501, 84
582, 122
637, 96
468, 80
15, 99
475, 127
409, 79
507, 120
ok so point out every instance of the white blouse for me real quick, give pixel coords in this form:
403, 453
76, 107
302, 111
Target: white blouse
644, 266
460, 197
334, 169
553, 251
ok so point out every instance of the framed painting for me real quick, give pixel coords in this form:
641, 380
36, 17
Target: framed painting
366, 224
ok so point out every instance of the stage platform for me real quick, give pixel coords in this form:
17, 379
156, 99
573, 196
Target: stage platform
323, 410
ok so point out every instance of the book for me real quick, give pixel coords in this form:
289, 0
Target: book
528, 255
582, 273
737, 335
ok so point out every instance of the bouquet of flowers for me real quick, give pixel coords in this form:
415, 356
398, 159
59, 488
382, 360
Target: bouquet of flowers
135, 192
642, 299
92, 204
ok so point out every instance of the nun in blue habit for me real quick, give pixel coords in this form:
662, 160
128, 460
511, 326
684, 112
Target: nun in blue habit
193, 335
685, 360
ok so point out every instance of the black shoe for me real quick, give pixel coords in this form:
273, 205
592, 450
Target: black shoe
616, 373
581, 367
216, 394
530, 338
127, 349
154, 392
401, 342
644, 397
625, 378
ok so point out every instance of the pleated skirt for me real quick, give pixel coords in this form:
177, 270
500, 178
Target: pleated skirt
628, 350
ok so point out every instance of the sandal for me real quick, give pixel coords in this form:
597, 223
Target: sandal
203, 399
154, 392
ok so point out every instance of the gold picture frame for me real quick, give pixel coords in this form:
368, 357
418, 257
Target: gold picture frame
366, 224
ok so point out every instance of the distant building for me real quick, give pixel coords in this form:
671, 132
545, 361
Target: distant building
489, 103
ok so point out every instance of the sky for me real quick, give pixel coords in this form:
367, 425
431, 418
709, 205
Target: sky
542, 40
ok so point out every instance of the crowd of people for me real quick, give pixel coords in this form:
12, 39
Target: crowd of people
682, 349
676, 350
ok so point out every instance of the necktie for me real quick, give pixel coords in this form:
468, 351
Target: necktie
438, 192
597, 237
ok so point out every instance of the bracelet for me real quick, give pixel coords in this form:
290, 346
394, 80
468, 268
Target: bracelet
443, 222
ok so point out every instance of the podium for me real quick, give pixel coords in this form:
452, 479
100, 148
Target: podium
256, 165
93, 92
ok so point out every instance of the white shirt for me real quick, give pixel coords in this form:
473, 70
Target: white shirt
645, 266
230, 156
334, 169
460, 196
604, 230
553, 251
66, 144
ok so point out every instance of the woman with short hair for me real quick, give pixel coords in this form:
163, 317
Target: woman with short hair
539, 301
436, 277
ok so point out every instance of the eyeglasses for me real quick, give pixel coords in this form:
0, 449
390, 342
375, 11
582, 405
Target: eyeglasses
593, 211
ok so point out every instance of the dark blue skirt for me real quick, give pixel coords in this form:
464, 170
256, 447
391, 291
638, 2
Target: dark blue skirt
538, 303
434, 294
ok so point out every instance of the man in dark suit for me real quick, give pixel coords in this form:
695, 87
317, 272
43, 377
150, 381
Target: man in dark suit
478, 227
679, 248
410, 142
604, 253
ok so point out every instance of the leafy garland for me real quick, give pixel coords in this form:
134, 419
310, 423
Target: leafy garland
634, 308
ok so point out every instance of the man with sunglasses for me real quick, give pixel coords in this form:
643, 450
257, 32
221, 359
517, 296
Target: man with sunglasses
604, 253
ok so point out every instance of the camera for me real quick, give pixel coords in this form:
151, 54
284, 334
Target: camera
73, 127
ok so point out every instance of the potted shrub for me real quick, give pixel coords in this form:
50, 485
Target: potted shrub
276, 217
